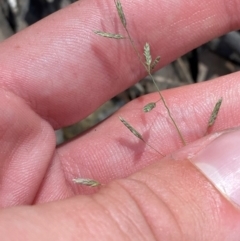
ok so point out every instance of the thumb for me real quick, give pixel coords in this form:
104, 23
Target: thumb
194, 194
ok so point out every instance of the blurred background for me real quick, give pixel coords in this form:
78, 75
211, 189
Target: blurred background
218, 57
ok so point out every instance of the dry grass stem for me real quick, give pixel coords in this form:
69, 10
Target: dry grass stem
148, 58
148, 65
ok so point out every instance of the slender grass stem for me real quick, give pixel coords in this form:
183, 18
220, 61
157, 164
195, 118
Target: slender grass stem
134, 47
169, 113
153, 148
148, 69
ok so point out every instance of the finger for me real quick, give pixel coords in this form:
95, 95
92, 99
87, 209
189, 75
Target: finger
170, 200
110, 151
27, 144
64, 71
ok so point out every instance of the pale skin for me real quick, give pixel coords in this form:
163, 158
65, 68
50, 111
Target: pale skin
56, 73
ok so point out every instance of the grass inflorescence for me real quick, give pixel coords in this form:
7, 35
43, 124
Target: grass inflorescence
149, 66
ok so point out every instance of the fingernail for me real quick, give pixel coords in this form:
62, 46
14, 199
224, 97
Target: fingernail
219, 161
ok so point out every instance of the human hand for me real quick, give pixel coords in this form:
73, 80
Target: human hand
57, 72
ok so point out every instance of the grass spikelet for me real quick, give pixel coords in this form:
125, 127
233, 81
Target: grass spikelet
109, 35
147, 54
121, 13
155, 62
135, 132
214, 113
87, 182
149, 107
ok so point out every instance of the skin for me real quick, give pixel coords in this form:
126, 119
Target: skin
57, 72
